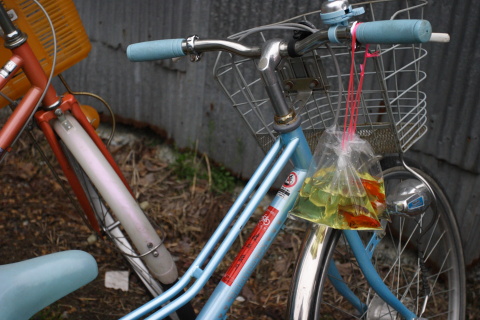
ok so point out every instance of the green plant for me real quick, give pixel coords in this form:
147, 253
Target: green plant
184, 166
223, 180
189, 166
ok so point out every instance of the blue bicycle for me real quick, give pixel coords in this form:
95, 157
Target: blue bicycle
287, 82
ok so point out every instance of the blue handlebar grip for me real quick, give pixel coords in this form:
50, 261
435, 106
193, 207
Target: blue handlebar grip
155, 50
394, 32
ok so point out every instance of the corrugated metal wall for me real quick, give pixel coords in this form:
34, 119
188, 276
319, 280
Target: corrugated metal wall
451, 147
184, 101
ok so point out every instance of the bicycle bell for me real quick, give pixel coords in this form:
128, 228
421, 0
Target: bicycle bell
409, 197
336, 12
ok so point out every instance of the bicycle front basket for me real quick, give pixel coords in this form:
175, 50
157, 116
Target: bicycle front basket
392, 111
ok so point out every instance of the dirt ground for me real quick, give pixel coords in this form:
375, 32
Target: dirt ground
36, 218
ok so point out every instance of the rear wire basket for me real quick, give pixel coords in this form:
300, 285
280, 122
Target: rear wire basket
392, 110
73, 44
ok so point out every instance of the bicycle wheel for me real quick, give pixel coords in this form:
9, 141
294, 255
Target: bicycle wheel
432, 287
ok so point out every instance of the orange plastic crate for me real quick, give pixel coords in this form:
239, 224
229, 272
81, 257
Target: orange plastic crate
73, 44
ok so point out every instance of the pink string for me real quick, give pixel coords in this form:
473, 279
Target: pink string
353, 97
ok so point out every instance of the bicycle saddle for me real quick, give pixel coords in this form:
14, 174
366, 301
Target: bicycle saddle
28, 286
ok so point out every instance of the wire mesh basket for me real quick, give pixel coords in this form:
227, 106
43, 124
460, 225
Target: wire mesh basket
73, 44
392, 109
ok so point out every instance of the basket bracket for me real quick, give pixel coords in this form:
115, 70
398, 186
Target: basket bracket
301, 76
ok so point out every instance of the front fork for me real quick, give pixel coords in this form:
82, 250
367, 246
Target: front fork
44, 120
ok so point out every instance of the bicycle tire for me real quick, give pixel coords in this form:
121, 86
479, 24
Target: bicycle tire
442, 270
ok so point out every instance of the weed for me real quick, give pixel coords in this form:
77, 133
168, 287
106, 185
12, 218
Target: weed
223, 181
189, 166
185, 166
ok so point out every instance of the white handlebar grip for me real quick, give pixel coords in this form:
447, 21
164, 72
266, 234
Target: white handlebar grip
440, 37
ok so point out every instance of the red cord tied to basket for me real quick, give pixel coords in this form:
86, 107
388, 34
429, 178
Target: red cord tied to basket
344, 188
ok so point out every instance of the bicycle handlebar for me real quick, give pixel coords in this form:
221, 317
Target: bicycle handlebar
174, 48
379, 32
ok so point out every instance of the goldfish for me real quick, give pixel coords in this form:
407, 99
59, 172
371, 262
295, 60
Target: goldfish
374, 188
361, 221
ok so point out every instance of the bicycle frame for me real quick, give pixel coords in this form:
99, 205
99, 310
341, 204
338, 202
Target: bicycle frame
295, 148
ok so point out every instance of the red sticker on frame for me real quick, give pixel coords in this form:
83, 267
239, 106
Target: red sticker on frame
250, 245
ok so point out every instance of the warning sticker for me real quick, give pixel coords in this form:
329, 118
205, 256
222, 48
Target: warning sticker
291, 180
250, 245
289, 183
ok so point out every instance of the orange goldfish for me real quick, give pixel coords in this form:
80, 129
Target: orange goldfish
373, 188
356, 222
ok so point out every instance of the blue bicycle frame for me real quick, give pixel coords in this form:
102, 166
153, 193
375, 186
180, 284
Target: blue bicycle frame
292, 147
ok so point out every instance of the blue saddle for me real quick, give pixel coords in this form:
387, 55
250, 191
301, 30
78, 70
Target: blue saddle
28, 286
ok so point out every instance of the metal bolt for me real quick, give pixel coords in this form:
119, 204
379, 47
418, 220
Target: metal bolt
155, 254
288, 85
149, 245
400, 207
